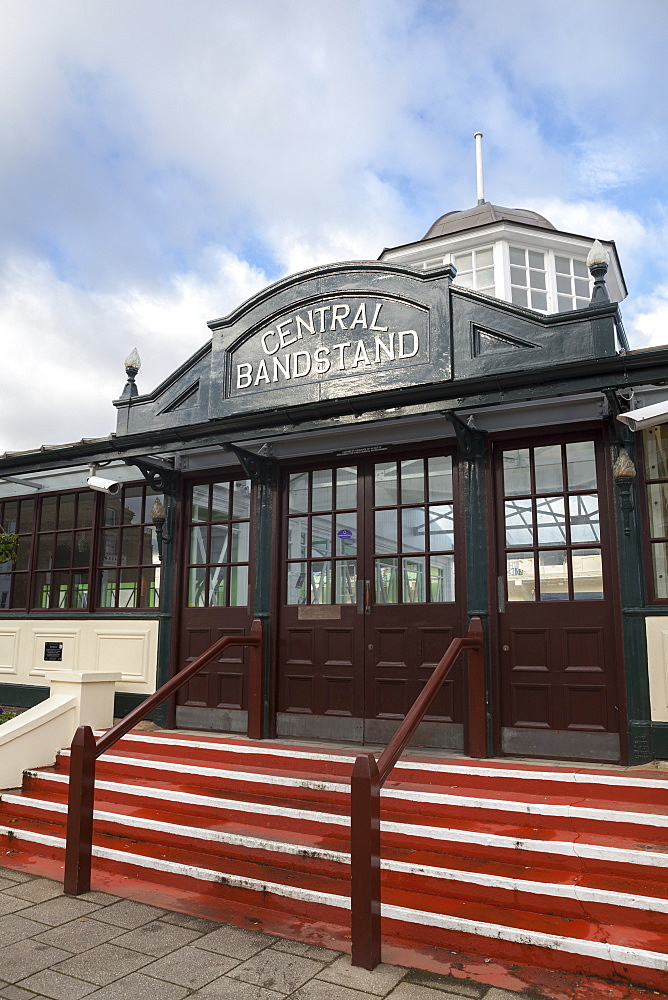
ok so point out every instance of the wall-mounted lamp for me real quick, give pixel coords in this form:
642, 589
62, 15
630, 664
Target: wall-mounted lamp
159, 516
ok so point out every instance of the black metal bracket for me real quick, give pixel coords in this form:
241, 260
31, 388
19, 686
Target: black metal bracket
618, 404
470, 439
160, 475
258, 468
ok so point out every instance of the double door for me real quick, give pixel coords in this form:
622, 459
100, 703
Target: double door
368, 598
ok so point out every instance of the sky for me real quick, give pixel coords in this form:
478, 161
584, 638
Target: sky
162, 160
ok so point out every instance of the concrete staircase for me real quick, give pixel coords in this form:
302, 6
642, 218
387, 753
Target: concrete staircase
553, 867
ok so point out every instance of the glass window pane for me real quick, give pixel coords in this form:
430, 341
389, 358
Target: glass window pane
27, 512
657, 502
199, 537
346, 581
386, 537
66, 511
385, 475
463, 261
484, 258
240, 541
346, 487
655, 442
516, 472
519, 296
107, 589
553, 569
585, 526
518, 276
322, 490
149, 582
10, 516
387, 589
519, 522
439, 475
298, 492
217, 586
564, 284
564, 303
346, 534
549, 473
219, 552
133, 502
81, 551
109, 547
562, 265
321, 583
5, 584
587, 575
63, 554
413, 529
241, 498
581, 303
537, 259
485, 277
45, 552
441, 527
48, 518
465, 279
580, 269
220, 502
296, 583
238, 586
537, 279
581, 462
297, 537
414, 580
42, 591
582, 287
539, 300
20, 590
131, 547
660, 567
412, 481
321, 535
551, 520
442, 578
200, 503
520, 576
517, 256
127, 591
23, 552
85, 507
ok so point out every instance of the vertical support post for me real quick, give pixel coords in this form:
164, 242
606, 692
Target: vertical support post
476, 719
255, 684
81, 795
365, 863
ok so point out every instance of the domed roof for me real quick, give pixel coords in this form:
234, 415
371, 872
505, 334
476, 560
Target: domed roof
483, 215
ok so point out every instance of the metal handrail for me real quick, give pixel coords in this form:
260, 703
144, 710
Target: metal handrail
369, 776
85, 750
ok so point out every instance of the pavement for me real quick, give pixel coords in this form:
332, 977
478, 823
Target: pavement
100, 946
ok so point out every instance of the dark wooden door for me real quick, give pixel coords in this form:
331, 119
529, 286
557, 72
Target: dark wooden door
368, 599
215, 603
556, 615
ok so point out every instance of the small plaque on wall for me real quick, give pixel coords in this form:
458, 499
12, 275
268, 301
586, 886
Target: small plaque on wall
53, 651
318, 612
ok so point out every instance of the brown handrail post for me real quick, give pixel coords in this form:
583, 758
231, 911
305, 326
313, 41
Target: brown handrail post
80, 812
477, 713
365, 862
255, 684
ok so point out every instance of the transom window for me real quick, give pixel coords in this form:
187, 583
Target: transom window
475, 269
655, 441
219, 536
552, 525
528, 284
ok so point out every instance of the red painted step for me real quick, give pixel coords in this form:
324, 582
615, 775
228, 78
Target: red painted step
552, 866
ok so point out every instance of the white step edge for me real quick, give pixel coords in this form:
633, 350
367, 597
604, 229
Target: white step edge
602, 815
576, 891
532, 773
579, 849
591, 949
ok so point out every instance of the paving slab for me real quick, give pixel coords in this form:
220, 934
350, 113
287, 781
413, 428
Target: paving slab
447, 984
378, 983
190, 967
79, 935
17, 876
14, 927
5, 883
234, 989
16, 993
411, 991
60, 911
102, 965
12, 904
199, 924
21, 958
128, 914
156, 939
276, 970
57, 986
237, 942
102, 898
313, 951
318, 989
140, 987
36, 891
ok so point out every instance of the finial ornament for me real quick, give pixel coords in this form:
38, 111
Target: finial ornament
623, 467
132, 366
598, 261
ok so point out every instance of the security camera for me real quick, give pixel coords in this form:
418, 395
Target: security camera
646, 416
102, 485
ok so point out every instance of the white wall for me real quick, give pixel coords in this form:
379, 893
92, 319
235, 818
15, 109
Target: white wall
657, 661
99, 644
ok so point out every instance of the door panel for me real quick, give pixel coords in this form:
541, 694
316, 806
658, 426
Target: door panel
556, 617
369, 579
